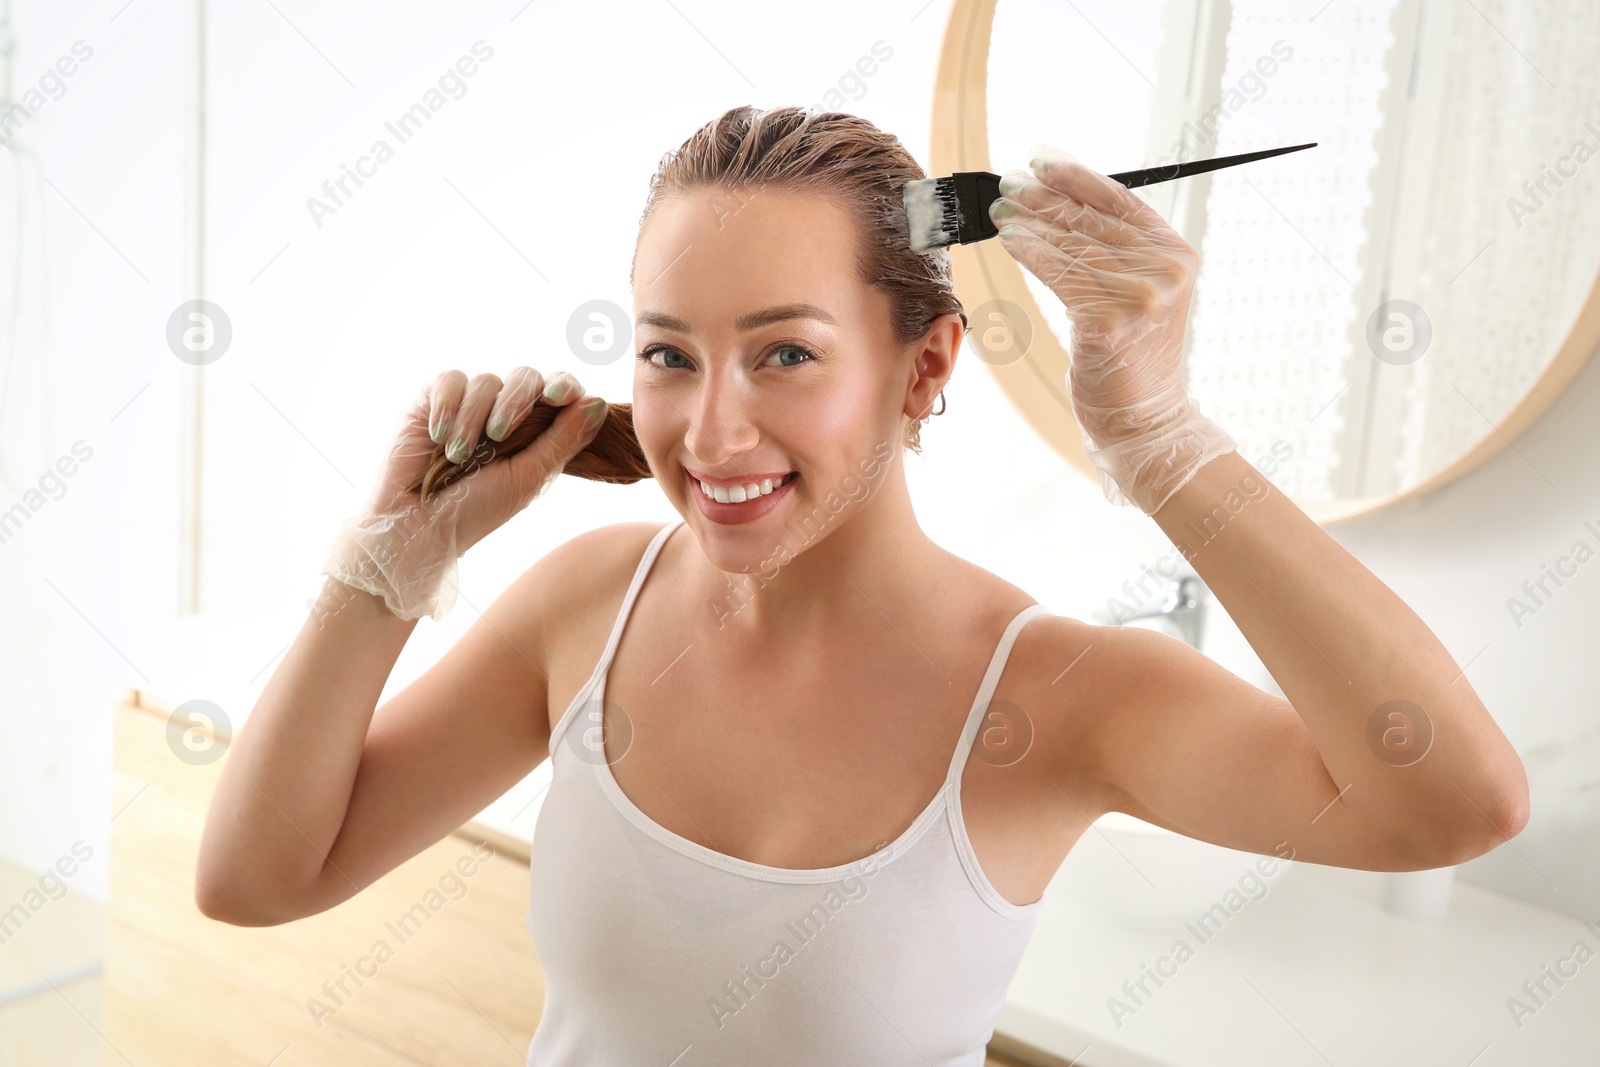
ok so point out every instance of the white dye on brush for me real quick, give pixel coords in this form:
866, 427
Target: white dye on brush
925, 215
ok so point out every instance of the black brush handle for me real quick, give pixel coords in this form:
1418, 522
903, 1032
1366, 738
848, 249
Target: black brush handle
982, 188
1149, 176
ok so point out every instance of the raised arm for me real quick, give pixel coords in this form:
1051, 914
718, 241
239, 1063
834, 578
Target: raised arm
289, 772
1382, 756
303, 763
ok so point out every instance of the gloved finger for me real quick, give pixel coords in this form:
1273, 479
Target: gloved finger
521, 392
415, 423
1170, 268
531, 470
1023, 193
472, 414
1072, 246
1072, 264
1060, 170
446, 393
558, 381
1116, 302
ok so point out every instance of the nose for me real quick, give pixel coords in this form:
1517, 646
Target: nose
720, 426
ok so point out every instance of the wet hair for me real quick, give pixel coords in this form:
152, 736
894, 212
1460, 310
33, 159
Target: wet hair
842, 157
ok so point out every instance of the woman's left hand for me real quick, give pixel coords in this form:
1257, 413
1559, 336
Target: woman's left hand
1125, 277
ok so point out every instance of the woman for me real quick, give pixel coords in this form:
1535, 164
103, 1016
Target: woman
774, 831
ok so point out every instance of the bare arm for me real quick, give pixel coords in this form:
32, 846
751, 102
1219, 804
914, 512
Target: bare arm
277, 843
289, 771
427, 760
1382, 757
1381, 754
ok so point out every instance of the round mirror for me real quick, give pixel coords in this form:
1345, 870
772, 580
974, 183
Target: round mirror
1372, 317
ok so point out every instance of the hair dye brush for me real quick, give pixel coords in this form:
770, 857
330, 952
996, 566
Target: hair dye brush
955, 210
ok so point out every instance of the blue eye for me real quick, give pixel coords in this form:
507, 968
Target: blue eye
651, 350
802, 349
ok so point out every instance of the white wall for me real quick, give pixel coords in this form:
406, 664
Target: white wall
90, 564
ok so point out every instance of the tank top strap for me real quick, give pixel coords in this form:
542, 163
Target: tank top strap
652, 550
991, 679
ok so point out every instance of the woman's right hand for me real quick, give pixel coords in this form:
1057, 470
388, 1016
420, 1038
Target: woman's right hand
405, 550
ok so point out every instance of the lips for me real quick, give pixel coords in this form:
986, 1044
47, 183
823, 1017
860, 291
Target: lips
742, 513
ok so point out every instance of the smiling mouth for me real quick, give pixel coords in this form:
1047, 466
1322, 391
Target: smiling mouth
739, 494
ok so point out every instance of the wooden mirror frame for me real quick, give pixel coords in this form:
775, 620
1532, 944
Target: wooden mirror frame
1036, 383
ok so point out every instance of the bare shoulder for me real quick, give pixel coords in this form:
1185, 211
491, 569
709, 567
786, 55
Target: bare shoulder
582, 566
1061, 666
574, 578
568, 598
1062, 674
1042, 640
1106, 698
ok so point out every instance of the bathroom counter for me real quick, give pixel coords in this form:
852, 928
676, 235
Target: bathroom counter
1316, 973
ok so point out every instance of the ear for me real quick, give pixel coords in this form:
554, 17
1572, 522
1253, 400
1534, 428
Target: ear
933, 359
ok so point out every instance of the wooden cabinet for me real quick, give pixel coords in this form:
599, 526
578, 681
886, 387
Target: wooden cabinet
428, 965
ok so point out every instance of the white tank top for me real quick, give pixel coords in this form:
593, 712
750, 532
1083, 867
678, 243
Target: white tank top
660, 951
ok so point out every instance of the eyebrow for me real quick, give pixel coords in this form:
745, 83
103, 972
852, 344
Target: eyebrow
753, 321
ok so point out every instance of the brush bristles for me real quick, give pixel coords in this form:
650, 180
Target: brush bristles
932, 214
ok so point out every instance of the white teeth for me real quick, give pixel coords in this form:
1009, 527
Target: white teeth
738, 494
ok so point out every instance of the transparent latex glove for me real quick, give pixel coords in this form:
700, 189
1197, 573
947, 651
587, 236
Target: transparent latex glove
1125, 277
405, 550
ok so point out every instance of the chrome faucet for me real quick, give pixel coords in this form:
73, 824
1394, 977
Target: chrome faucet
1180, 606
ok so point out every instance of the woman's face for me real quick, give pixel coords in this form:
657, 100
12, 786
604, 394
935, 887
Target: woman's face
762, 355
